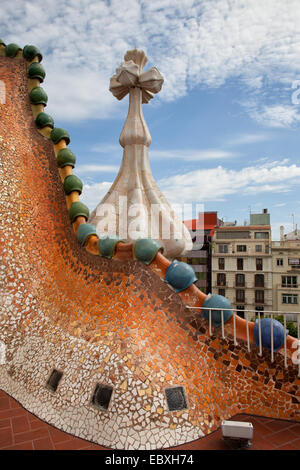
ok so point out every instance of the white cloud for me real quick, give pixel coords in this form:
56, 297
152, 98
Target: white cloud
255, 83
215, 184
246, 139
218, 183
267, 188
93, 193
192, 154
105, 148
180, 154
84, 169
192, 43
277, 115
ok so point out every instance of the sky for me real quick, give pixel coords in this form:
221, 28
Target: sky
225, 127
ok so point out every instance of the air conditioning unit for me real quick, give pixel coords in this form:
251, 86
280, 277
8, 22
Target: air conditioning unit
237, 434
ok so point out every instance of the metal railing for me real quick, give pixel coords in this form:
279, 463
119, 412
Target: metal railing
269, 314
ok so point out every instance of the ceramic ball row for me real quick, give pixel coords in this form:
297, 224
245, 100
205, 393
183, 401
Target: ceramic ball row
144, 249
29, 52
179, 275
38, 96
263, 333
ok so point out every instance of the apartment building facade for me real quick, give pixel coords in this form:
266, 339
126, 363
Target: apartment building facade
242, 264
286, 273
202, 230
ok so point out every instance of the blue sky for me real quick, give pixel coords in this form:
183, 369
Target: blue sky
225, 126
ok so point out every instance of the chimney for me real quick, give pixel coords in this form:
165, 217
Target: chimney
281, 232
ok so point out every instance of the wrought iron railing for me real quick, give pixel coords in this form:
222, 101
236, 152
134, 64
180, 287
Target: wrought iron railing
257, 316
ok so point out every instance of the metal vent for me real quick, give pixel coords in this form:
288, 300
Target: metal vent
102, 396
54, 379
176, 398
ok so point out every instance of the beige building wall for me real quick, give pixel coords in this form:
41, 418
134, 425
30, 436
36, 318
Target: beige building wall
286, 276
247, 243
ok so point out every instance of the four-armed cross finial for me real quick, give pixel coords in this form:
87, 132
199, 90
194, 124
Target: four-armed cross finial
130, 75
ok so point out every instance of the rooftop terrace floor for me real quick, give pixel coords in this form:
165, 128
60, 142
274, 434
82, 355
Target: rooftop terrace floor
21, 430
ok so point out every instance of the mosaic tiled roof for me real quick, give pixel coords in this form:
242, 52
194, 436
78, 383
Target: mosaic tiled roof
109, 337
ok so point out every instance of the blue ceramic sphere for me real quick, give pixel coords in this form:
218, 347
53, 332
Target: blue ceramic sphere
217, 301
180, 275
278, 333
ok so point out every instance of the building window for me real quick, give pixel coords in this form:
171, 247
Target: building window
236, 234
260, 235
242, 248
221, 279
294, 261
290, 298
223, 248
240, 263
221, 264
279, 261
240, 280
201, 276
241, 311
289, 281
259, 296
259, 309
267, 249
240, 295
221, 292
259, 264
258, 248
259, 280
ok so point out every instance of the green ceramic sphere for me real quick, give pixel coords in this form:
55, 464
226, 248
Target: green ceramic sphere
30, 52
44, 119
58, 133
36, 70
85, 231
145, 249
72, 183
78, 209
107, 245
38, 96
11, 50
65, 158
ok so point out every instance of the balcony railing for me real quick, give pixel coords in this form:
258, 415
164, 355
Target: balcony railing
257, 315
